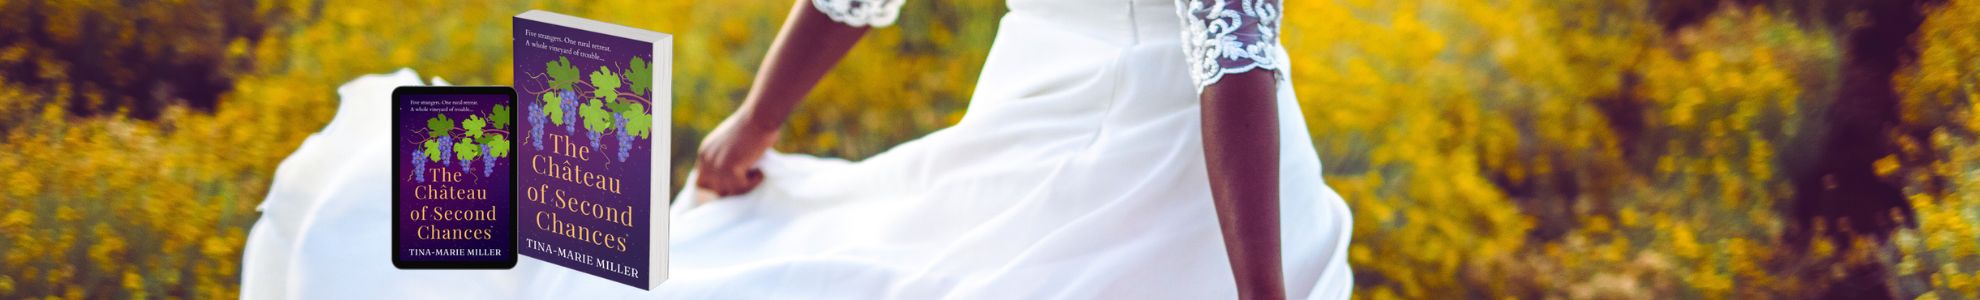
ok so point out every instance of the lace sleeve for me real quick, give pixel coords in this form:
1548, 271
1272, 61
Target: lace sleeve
860, 13
1229, 36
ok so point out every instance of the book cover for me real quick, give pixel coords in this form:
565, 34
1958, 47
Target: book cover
453, 201
593, 169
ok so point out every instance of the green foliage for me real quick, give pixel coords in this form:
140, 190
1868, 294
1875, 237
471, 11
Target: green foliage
466, 149
562, 73
498, 146
553, 105
432, 150
640, 74
440, 125
594, 116
473, 125
607, 84
500, 116
638, 122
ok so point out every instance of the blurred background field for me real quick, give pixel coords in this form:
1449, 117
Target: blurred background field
1488, 148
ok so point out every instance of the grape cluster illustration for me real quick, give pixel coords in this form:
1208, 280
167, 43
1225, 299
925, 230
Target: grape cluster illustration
625, 140
569, 105
446, 146
419, 165
536, 120
480, 136
487, 162
603, 102
467, 165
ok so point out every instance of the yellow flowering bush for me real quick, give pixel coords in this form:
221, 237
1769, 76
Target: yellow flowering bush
1940, 258
112, 206
1488, 148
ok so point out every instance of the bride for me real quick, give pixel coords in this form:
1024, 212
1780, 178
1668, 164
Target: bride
1138, 149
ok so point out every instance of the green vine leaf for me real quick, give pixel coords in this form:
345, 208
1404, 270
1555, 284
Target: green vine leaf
473, 125
621, 107
500, 116
607, 84
554, 107
640, 74
562, 73
499, 147
638, 123
466, 150
440, 125
433, 150
596, 119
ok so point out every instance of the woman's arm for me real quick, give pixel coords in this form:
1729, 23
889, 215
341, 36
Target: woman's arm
809, 45
1241, 151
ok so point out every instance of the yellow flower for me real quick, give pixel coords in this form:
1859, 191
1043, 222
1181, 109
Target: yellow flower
1884, 166
134, 284
108, 253
23, 184
16, 222
1682, 242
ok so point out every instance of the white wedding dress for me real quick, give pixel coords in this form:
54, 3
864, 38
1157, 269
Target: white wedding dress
1077, 173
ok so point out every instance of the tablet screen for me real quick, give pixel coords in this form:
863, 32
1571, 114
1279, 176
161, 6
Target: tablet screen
453, 191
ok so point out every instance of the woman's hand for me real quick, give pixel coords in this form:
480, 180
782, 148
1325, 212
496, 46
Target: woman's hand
807, 46
728, 157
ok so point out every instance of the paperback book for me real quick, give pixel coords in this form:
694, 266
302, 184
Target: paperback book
592, 150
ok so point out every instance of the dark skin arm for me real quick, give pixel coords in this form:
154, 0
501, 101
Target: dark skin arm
1240, 137
809, 44
1241, 152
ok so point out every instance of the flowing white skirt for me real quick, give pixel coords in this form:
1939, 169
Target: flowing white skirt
1078, 173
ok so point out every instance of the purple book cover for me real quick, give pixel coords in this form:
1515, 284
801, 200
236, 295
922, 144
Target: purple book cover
454, 191
592, 171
